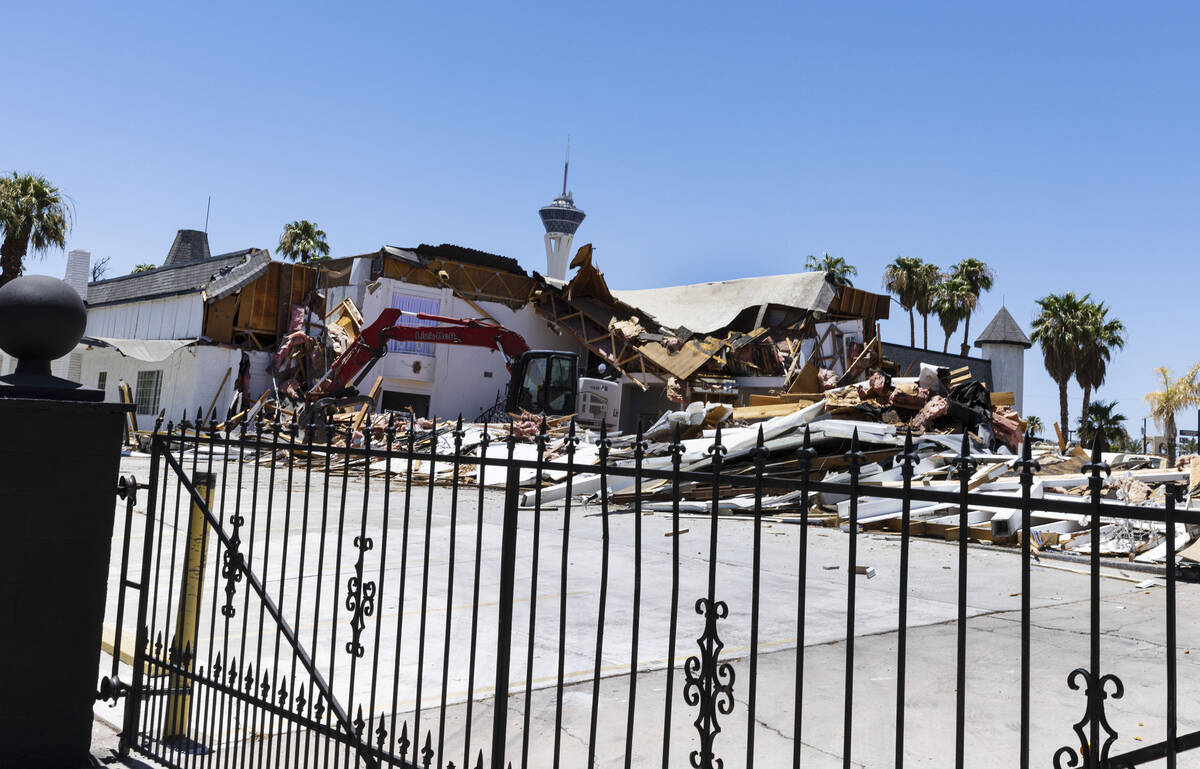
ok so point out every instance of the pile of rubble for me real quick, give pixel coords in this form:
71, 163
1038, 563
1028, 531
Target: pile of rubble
940, 407
881, 411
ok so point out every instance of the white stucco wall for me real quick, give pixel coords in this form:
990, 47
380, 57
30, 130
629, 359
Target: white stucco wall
190, 378
1008, 370
174, 317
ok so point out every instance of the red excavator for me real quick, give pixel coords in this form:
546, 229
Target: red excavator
540, 381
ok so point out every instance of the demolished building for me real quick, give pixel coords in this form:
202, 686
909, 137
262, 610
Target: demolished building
194, 332
723, 341
215, 331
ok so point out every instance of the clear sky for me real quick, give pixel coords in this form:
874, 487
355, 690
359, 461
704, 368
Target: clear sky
1055, 141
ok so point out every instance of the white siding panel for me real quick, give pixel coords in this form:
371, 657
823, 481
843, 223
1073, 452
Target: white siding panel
176, 317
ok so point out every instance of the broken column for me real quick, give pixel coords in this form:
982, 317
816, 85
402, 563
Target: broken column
59, 462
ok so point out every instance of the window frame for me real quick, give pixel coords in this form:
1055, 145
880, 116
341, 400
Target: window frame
156, 400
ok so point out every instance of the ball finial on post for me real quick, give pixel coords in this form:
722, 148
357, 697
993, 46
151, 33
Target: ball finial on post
41, 320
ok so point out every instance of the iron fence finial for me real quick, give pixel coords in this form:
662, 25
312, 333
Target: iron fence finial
717, 449
855, 458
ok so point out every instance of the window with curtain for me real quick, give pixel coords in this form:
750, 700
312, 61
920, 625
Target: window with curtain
410, 303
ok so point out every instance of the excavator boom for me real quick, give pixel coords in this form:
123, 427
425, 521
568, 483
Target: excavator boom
371, 344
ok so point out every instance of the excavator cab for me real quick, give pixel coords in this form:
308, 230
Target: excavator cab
544, 382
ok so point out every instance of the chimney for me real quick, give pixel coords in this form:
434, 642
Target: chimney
189, 246
79, 268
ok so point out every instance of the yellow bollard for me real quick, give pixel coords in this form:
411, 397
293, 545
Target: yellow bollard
179, 703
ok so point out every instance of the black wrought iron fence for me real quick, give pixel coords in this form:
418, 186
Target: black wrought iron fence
379, 604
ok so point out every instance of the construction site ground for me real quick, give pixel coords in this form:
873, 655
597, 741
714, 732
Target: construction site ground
1132, 648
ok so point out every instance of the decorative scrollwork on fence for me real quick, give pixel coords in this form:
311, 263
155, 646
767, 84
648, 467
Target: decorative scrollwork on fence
1093, 712
360, 598
231, 567
708, 684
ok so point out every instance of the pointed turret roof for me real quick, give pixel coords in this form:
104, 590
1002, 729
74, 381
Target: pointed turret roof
1003, 330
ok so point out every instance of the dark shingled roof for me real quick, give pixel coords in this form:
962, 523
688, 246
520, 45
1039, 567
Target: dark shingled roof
1003, 330
470, 256
186, 278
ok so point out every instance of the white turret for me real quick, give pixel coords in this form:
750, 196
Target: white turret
1004, 344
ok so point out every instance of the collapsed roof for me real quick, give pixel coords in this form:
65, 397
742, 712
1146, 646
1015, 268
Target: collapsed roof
708, 307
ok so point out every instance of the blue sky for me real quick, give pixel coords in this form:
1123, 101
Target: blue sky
1057, 142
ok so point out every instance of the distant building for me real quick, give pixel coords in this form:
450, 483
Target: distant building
561, 219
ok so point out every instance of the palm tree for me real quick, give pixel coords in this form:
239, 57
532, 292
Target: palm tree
142, 268
953, 303
1059, 329
33, 213
303, 242
980, 278
1101, 338
835, 268
1033, 425
928, 278
1102, 416
904, 278
1174, 396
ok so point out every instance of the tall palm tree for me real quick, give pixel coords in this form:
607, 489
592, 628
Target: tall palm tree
302, 241
1059, 329
928, 278
904, 278
1102, 336
33, 213
1175, 395
837, 269
980, 278
953, 303
1033, 425
1102, 416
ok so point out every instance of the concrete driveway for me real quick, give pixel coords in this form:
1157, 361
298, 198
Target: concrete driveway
1133, 621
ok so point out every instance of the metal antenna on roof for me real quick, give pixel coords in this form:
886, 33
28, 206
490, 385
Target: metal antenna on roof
206, 210
566, 165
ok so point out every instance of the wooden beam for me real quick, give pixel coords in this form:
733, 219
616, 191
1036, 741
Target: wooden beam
362, 412
771, 410
217, 394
